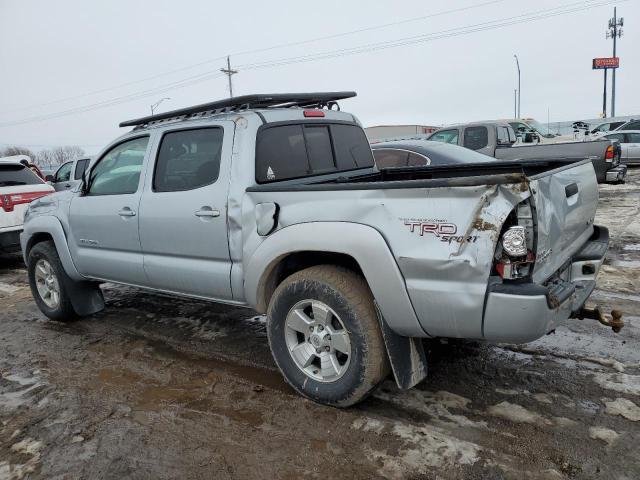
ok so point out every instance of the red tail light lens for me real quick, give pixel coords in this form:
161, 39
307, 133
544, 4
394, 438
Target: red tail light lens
10, 200
313, 113
609, 155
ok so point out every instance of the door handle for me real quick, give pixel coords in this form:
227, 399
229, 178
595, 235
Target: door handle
207, 212
127, 212
67, 185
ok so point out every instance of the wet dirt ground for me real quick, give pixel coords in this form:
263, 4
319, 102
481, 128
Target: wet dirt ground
157, 387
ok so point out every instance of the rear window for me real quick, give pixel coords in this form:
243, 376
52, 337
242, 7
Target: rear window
299, 150
11, 175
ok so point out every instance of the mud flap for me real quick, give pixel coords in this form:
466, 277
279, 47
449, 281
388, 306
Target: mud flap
86, 297
406, 355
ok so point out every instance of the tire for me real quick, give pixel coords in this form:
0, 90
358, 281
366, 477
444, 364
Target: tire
45, 255
339, 301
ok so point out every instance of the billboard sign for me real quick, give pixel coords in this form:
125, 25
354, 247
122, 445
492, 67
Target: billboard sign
606, 62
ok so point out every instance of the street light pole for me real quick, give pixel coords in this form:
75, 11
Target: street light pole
518, 65
155, 105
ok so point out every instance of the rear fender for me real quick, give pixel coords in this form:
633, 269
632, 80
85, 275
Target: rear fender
363, 243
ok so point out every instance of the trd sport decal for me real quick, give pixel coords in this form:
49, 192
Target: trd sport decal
442, 229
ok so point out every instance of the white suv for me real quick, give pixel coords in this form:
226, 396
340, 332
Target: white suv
18, 187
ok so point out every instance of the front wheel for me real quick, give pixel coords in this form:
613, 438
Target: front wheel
47, 280
324, 335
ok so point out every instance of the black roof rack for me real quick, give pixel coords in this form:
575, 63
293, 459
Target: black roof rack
244, 102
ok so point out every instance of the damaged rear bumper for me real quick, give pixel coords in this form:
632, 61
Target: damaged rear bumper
616, 174
523, 312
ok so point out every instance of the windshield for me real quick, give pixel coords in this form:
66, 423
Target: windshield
542, 129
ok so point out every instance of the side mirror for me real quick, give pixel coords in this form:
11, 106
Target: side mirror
49, 178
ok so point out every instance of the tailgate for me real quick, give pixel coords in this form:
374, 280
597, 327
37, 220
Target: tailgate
565, 200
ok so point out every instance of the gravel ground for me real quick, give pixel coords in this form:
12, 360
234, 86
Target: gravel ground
158, 387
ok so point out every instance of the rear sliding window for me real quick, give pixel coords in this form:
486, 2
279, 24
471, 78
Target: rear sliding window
300, 150
11, 175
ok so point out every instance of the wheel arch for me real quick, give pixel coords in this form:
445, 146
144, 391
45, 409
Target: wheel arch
356, 246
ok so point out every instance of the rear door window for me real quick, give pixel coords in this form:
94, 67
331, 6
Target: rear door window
616, 136
297, 150
188, 159
476, 138
13, 175
631, 126
633, 137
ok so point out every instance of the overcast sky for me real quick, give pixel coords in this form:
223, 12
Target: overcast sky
53, 50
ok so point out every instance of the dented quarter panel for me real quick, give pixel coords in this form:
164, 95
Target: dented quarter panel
442, 240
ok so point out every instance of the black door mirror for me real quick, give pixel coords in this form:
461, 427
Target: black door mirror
49, 178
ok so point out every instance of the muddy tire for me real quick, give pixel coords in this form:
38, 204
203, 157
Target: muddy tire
48, 282
324, 335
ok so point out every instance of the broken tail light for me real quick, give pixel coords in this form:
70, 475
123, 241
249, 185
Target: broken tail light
514, 257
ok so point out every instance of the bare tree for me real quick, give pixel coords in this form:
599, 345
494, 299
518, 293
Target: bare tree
58, 155
16, 150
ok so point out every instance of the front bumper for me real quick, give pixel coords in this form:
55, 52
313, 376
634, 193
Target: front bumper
523, 312
616, 174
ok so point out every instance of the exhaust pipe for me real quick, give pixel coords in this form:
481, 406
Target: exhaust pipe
615, 322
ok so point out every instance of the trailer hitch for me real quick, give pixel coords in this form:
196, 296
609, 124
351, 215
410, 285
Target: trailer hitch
615, 322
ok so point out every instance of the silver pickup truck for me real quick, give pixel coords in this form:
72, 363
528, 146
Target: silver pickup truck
273, 202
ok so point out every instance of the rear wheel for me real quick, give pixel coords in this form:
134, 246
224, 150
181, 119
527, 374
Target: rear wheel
324, 335
47, 280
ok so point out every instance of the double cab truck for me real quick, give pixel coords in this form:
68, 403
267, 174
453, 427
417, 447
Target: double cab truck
274, 202
498, 139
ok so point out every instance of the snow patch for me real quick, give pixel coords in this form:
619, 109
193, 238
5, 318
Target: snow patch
10, 289
18, 471
623, 407
516, 413
604, 434
367, 424
435, 404
619, 382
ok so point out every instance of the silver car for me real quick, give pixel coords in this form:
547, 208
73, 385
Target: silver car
630, 144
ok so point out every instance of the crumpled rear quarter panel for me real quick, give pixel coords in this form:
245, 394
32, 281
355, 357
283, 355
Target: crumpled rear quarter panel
443, 240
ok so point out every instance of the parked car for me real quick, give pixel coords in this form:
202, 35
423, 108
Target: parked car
606, 127
418, 153
629, 143
274, 203
497, 139
18, 186
630, 125
69, 174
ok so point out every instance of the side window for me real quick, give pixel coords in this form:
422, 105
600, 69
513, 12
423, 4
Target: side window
631, 126
476, 138
81, 166
188, 159
616, 136
633, 137
503, 135
446, 136
118, 171
389, 158
64, 173
416, 160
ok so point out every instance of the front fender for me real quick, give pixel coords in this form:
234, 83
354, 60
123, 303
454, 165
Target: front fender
48, 224
363, 243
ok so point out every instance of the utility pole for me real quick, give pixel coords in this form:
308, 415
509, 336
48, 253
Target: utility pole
604, 95
518, 65
615, 32
228, 72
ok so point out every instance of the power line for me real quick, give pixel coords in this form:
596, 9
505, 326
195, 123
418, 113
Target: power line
258, 50
489, 25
